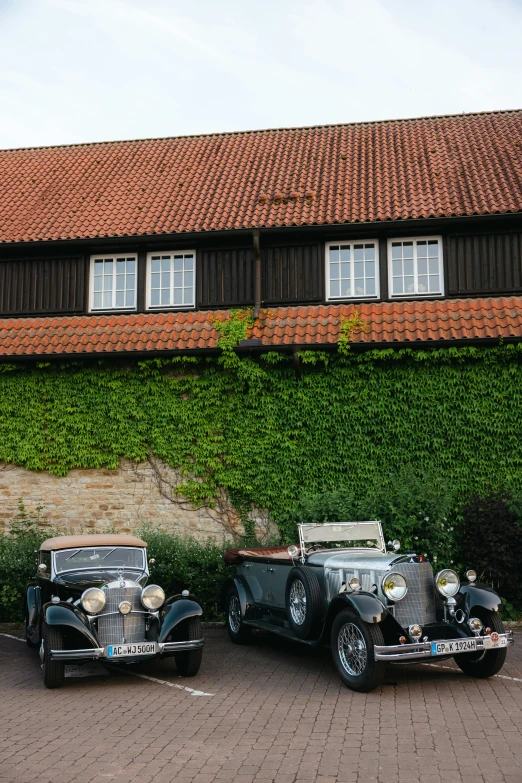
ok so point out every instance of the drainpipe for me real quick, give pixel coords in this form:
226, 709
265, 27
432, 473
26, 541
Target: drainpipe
257, 263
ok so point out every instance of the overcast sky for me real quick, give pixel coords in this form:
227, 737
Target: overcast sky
91, 70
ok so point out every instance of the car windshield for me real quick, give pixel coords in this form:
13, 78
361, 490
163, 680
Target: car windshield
106, 557
360, 535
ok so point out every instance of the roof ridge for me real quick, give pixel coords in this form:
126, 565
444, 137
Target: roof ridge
252, 131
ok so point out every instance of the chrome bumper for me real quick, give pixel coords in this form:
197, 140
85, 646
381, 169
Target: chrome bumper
422, 650
95, 653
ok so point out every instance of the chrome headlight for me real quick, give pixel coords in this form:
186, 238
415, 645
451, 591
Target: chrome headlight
394, 587
152, 597
447, 582
93, 600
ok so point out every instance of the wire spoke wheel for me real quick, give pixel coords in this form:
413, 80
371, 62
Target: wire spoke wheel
234, 614
298, 602
352, 649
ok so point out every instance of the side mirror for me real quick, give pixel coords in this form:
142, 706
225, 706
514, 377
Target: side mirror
42, 568
152, 561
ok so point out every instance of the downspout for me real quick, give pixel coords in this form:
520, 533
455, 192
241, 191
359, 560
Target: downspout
257, 265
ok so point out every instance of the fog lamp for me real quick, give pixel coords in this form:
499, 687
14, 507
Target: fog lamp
475, 625
125, 607
415, 632
354, 583
93, 600
447, 582
471, 575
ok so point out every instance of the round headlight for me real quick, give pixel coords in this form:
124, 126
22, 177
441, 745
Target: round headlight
472, 575
447, 583
93, 600
152, 597
394, 587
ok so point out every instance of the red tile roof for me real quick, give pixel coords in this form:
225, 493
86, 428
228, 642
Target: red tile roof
395, 170
387, 323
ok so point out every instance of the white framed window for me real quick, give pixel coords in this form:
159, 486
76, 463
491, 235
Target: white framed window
113, 282
415, 267
352, 270
171, 278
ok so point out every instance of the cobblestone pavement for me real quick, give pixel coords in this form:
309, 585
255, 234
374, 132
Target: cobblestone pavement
278, 713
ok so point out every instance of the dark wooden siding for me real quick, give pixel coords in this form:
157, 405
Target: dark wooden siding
49, 285
293, 273
484, 263
225, 277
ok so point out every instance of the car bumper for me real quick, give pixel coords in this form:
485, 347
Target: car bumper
97, 653
423, 650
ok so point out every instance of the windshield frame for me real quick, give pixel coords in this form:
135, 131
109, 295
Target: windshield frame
99, 567
370, 526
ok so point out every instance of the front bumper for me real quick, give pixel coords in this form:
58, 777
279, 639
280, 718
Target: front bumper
97, 653
423, 650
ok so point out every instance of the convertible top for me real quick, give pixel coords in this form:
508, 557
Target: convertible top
97, 539
234, 556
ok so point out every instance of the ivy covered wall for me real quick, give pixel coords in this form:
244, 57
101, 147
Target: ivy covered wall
249, 427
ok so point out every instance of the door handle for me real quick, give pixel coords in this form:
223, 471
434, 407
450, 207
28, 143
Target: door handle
269, 569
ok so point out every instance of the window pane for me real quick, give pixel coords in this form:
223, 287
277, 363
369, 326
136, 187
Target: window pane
97, 302
129, 299
334, 253
433, 248
120, 266
423, 284
408, 285
358, 253
165, 279
334, 288
107, 299
165, 296
358, 270
130, 282
370, 268
397, 268
178, 279
155, 281
434, 266
98, 267
131, 265
189, 296
370, 286
120, 282
189, 263
165, 264
345, 253
178, 296
369, 252
408, 266
108, 267
178, 263
396, 250
155, 297
345, 270
334, 271
346, 288
359, 288
120, 298
422, 266
434, 283
98, 283
155, 265
188, 279
407, 250
422, 249
397, 285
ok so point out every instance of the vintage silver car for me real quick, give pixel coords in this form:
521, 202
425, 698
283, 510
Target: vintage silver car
374, 606
90, 600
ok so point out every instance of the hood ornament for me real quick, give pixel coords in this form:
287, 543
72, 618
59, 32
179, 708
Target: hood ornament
120, 575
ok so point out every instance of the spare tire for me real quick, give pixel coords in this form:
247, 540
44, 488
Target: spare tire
303, 602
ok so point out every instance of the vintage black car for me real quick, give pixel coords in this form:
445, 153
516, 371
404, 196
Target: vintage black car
90, 601
340, 585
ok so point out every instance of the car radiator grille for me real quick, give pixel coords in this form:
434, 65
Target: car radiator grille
119, 628
418, 606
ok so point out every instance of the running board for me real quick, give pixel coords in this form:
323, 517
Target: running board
285, 632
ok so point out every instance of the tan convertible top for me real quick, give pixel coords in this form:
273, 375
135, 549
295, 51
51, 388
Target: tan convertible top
98, 539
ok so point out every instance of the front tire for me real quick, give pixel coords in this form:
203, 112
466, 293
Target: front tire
53, 671
189, 661
353, 642
486, 663
238, 632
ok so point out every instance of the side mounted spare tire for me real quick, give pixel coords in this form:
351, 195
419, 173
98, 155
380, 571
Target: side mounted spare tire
303, 602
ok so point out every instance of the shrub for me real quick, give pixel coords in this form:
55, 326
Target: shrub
492, 541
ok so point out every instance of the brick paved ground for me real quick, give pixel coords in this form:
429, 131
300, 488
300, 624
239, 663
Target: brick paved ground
279, 713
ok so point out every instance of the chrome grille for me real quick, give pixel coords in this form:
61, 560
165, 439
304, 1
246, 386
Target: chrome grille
418, 606
119, 628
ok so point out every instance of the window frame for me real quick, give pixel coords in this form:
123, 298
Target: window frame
112, 257
416, 294
355, 297
148, 281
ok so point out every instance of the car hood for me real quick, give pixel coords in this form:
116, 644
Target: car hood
81, 580
355, 559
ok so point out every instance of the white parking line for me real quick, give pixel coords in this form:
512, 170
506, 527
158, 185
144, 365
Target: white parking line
172, 685
501, 676
12, 637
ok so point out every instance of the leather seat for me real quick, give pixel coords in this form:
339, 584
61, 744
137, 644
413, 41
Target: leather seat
235, 556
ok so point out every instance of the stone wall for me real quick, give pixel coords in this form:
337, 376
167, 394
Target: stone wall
121, 499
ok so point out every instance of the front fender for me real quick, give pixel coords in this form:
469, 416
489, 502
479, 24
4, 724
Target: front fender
177, 612
480, 595
69, 616
246, 599
368, 606
34, 607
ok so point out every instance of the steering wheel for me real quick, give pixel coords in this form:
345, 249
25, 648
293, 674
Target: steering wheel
314, 546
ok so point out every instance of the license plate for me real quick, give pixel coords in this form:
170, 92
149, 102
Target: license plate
490, 642
455, 646
126, 650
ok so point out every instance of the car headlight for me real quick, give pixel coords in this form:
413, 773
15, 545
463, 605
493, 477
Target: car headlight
93, 600
447, 582
152, 597
394, 587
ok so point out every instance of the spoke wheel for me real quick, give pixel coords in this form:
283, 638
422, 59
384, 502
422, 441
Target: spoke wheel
298, 602
303, 602
238, 632
353, 643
